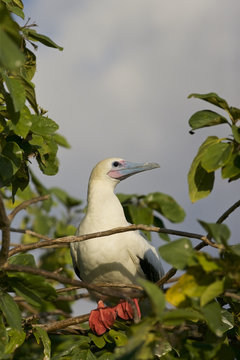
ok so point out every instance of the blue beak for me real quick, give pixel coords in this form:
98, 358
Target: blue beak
130, 168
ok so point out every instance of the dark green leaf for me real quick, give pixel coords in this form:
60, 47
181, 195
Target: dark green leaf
10, 55
17, 92
177, 253
10, 311
212, 98
227, 319
16, 339
219, 232
139, 215
159, 223
155, 295
166, 206
14, 153
206, 118
216, 156
6, 169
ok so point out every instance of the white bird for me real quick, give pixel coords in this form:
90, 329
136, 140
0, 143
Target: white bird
119, 258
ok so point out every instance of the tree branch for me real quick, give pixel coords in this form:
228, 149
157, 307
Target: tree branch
25, 204
72, 239
5, 226
58, 325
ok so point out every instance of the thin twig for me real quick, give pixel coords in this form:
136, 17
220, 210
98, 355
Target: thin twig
232, 295
25, 204
66, 289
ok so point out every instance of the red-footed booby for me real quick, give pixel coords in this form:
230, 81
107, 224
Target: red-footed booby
119, 258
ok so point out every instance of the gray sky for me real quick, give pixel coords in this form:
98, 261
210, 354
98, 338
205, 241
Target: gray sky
120, 88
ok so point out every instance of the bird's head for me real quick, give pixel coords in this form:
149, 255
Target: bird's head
116, 169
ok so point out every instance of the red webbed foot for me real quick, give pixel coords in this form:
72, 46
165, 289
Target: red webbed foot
102, 319
128, 310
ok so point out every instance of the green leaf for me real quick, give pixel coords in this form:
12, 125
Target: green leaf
205, 118
14, 153
118, 337
212, 291
17, 92
232, 167
10, 56
60, 140
45, 40
216, 156
219, 232
16, 339
10, 311
207, 262
22, 126
212, 98
178, 253
178, 316
227, 320
139, 215
212, 315
235, 113
6, 167
166, 206
236, 133
64, 197
156, 296
40, 333
42, 125
201, 182
97, 340
3, 336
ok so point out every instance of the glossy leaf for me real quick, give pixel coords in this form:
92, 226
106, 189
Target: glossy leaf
212, 98
177, 253
166, 206
216, 156
201, 182
205, 118
219, 232
155, 295
10, 311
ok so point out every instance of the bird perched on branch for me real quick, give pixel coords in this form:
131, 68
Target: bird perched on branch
118, 258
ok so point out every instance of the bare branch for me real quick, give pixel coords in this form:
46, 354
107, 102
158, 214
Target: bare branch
232, 295
72, 239
25, 204
57, 325
225, 215
4, 225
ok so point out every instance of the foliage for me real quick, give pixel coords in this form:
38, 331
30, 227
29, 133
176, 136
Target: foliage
214, 153
194, 317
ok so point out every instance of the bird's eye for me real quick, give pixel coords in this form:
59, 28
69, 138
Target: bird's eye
116, 163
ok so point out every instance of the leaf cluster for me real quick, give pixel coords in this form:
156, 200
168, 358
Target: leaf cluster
25, 129
215, 153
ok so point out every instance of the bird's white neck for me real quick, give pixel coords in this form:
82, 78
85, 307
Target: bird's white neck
104, 209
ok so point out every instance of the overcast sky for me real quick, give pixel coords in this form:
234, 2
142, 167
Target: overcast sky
120, 88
